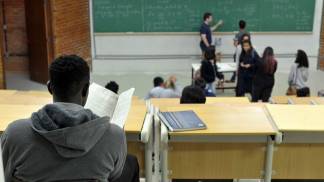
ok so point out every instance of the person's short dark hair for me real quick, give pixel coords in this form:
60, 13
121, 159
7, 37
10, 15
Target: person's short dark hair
302, 59
158, 81
68, 75
201, 83
304, 92
112, 86
210, 53
207, 15
242, 24
193, 95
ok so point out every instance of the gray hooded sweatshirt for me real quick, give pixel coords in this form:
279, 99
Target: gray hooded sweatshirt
61, 142
298, 76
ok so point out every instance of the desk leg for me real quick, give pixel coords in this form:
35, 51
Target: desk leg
164, 153
149, 160
269, 160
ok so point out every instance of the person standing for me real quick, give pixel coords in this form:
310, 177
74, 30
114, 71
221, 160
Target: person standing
239, 38
206, 32
246, 70
264, 78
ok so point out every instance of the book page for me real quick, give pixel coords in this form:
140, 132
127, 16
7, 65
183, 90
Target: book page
101, 101
122, 108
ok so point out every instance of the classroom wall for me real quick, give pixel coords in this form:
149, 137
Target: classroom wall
71, 28
150, 52
15, 42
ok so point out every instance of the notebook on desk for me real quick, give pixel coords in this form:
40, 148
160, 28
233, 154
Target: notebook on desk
182, 121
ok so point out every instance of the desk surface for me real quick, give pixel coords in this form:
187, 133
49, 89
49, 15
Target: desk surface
163, 103
297, 117
10, 113
25, 97
136, 117
229, 120
302, 100
318, 100
280, 99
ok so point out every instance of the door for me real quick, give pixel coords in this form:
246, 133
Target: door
39, 33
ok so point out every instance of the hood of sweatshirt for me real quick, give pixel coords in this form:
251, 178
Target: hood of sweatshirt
72, 130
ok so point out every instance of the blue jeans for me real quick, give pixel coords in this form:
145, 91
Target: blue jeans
210, 88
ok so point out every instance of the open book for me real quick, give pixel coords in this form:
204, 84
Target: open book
104, 102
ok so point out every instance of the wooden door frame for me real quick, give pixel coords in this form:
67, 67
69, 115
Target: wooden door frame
2, 62
49, 31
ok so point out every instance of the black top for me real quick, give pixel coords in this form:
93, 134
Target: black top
261, 77
207, 71
249, 58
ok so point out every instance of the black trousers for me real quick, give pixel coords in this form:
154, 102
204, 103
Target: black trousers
261, 92
130, 171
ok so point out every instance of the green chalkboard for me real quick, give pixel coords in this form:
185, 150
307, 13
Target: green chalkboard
186, 15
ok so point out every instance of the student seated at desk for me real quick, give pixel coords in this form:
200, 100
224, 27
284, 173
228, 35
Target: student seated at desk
63, 141
202, 84
172, 90
299, 75
155, 92
112, 86
193, 95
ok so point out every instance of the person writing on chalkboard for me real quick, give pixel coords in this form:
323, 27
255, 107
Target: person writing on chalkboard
206, 32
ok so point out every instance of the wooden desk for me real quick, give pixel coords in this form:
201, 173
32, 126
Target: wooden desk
133, 128
301, 100
163, 103
10, 113
300, 155
25, 98
7, 92
232, 146
318, 100
280, 99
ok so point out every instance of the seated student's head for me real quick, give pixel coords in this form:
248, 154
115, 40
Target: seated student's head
69, 78
304, 92
242, 24
201, 83
158, 82
210, 53
193, 95
112, 86
302, 59
171, 82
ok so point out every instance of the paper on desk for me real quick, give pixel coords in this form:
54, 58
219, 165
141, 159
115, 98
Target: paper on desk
122, 108
101, 101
